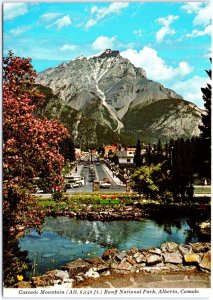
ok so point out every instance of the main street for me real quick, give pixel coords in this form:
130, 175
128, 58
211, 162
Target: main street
101, 171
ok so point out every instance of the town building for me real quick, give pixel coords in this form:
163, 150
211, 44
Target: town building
126, 156
109, 148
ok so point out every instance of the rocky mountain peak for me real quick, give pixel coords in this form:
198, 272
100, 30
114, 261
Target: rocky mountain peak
109, 53
109, 89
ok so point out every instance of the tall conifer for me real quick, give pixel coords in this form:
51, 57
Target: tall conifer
138, 160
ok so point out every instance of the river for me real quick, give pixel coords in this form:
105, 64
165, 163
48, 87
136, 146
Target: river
64, 239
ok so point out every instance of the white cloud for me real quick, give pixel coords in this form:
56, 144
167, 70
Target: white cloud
100, 13
20, 30
166, 29
62, 22
91, 23
13, 10
103, 43
202, 11
155, 67
191, 89
204, 15
172, 77
163, 32
191, 7
94, 9
138, 32
195, 32
49, 16
68, 47
167, 20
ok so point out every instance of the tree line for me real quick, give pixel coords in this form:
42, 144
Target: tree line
169, 171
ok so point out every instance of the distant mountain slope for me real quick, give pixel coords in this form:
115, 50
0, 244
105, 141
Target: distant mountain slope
163, 119
85, 131
114, 93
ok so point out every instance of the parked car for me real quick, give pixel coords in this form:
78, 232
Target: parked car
91, 178
104, 184
73, 181
71, 184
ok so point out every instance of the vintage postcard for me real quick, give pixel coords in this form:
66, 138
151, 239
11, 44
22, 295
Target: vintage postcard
106, 149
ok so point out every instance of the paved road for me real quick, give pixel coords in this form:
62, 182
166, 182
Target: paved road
100, 175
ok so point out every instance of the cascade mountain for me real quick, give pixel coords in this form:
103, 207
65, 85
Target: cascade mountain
106, 99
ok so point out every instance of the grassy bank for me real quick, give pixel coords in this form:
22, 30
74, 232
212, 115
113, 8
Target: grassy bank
87, 202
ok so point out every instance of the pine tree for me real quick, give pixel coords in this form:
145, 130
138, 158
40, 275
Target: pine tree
166, 150
206, 118
159, 147
206, 129
159, 153
181, 168
138, 160
148, 155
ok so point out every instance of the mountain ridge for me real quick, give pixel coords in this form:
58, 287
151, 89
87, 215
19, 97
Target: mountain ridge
107, 87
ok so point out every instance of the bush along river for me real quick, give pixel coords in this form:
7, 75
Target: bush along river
64, 239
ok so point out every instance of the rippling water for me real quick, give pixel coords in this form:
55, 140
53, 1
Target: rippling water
64, 239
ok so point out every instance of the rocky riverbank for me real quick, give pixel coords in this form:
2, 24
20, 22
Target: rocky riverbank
170, 257
128, 211
90, 213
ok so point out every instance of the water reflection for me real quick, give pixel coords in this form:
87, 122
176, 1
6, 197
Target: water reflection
64, 239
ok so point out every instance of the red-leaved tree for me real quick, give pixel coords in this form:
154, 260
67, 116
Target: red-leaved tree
30, 147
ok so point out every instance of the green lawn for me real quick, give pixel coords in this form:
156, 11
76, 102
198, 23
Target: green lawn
202, 190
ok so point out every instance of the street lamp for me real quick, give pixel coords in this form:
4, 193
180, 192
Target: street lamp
127, 175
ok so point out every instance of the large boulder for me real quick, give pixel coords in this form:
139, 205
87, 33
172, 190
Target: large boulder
91, 273
132, 251
97, 263
185, 249
125, 265
76, 267
206, 261
173, 258
109, 253
200, 247
155, 251
59, 274
42, 281
169, 247
153, 259
120, 256
192, 258
139, 257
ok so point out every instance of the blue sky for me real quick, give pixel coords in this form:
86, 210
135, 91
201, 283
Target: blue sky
170, 40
